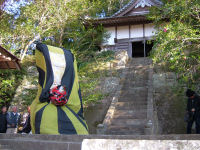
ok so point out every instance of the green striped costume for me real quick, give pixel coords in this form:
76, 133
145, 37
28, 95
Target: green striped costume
57, 66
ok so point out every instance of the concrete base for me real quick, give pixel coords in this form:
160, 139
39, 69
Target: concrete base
106, 144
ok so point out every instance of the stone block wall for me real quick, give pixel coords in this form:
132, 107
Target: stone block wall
169, 108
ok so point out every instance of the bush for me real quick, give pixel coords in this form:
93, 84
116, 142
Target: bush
9, 81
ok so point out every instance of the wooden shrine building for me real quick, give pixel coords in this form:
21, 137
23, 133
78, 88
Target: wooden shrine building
130, 29
8, 60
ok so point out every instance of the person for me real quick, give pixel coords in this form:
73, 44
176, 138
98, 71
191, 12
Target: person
193, 110
3, 120
27, 125
13, 119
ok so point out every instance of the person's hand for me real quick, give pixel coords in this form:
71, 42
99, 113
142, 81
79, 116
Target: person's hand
193, 110
20, 128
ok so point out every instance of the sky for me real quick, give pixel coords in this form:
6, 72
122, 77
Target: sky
13, 6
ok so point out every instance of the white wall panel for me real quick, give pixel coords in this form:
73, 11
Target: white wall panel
122, 32
136, 31
149, 30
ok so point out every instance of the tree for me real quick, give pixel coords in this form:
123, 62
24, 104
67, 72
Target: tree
177, 44
45, 19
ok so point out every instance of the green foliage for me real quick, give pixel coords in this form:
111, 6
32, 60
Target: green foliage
177, 44
59, 23
109, 7
9, 80
28, 96
56, 22
91, 73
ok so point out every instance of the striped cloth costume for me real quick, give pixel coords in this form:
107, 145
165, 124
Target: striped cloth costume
57, 66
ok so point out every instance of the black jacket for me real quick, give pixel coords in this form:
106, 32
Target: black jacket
27, 125
3, 123
193, 103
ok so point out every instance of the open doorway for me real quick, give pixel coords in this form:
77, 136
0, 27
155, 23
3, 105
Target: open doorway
138, 49
141, 50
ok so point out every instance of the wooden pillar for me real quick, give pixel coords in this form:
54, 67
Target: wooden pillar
116, 32
144, 40
115, 38
129, 43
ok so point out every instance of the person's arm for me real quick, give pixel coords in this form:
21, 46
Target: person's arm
198, 104
188, 106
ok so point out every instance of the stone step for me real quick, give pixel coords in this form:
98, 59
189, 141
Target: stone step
126, 130
134, 92
137, 83
128, 122
131, 105
130, 114
138, 132
132, 98
125, 111
130, 88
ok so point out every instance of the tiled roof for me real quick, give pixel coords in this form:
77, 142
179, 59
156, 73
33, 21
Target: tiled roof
132, 2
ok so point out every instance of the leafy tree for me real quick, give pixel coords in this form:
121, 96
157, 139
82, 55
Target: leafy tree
109, 7
50, 21
177, 44
9, 81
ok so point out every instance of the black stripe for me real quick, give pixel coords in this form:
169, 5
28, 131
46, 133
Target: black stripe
41, 76
65, 125
80, 113
38, 119
50, 78
69, 74
77, 116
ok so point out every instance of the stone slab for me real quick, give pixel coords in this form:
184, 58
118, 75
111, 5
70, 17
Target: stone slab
105, 144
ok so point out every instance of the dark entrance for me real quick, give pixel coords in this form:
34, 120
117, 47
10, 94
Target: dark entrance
139, 49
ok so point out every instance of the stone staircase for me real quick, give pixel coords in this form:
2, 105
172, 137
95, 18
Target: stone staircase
130, 115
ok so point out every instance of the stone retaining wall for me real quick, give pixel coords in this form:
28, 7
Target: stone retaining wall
169, 107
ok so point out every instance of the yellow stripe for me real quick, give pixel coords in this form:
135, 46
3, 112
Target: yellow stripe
49, 122
55, 49
35, 107
80, 129
74, 100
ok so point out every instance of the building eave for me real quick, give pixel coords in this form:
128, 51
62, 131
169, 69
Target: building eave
125, 20
8, 60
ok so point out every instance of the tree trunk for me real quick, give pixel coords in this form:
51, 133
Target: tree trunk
26, 48
61, 37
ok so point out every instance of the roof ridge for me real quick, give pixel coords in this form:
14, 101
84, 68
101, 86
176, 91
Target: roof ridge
158, 2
